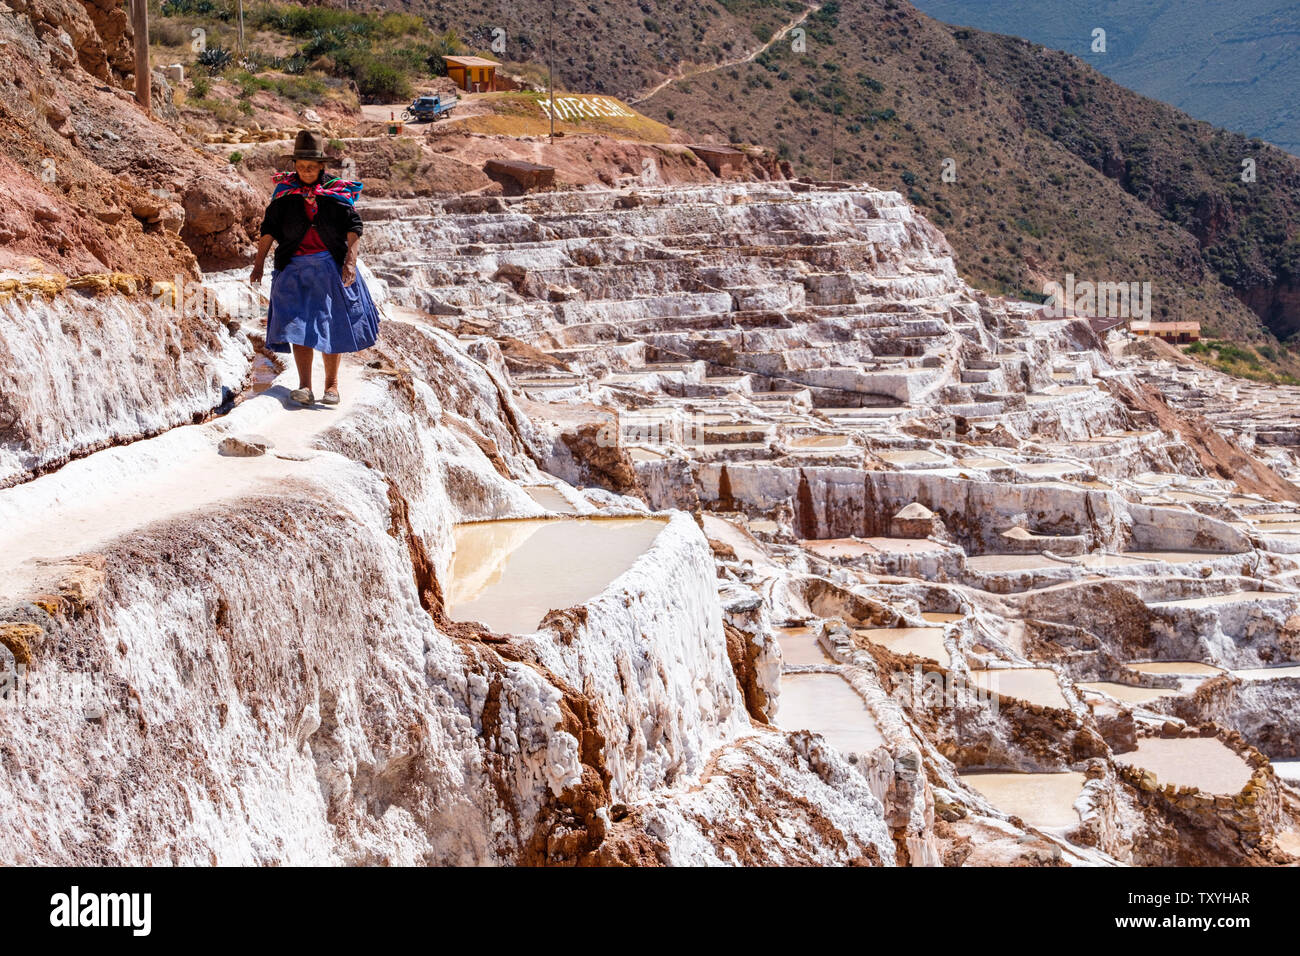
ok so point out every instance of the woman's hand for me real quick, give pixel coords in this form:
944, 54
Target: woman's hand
349, 272
256, 276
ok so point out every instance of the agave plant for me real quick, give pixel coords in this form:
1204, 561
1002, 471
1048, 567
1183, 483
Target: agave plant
216, 58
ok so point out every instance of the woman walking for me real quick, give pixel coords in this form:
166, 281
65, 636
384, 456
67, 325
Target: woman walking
318, 300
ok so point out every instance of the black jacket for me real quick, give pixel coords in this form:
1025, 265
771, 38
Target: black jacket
286, 220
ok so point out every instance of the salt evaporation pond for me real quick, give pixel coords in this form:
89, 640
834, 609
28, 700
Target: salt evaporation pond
1012, 562
1203, 762
1128, 693
1236, 597
819, 441
509, 574
909, 456
924, 642
1288, 770
1177, 668
826, 704
1040, 799
799, 646
550, 499
1108, 560
940, 617
1174, 557
1034, 685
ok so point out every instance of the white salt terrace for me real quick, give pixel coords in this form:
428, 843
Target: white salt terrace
1236, 597
1127, 693
828, 705
510, 574
1044, 800
1202, 762
96, 499
856, 323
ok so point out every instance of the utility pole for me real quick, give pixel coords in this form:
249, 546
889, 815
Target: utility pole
140, 24
241, 29
834, 123
550, 71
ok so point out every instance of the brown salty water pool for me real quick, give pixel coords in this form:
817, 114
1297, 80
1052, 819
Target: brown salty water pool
799, 646
1128, 693
828, 705
1034, 685
925, 642
509, 574
1203, 762
1040, 799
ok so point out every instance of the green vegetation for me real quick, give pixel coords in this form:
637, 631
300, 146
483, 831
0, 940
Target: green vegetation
1258, 363
299, 89
215, 58
383, 53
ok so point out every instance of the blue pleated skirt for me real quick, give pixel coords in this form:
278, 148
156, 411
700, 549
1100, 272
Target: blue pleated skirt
310, 306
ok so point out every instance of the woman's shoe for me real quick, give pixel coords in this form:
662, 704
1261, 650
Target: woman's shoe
331, 397
303, 396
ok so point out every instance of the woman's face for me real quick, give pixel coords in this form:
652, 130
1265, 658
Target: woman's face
308, 170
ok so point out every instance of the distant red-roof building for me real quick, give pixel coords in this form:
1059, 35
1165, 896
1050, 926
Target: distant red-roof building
1178, 333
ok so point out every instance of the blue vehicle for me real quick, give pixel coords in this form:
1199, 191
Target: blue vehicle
424, 109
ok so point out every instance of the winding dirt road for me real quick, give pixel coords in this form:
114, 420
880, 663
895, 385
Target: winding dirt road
776, 38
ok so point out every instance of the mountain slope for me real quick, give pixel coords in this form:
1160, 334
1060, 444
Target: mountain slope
621, 47
1232, 64
1058, 170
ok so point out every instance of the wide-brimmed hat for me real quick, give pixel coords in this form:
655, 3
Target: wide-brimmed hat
309, 144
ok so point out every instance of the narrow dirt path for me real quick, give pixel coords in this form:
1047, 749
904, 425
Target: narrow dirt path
115, 491
735, 61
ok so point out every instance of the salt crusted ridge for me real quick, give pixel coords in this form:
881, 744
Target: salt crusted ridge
896, 478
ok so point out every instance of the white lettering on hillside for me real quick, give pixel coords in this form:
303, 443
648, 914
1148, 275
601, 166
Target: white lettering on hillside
576, 107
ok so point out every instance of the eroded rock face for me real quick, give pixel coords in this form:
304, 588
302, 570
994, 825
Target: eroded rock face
83, 159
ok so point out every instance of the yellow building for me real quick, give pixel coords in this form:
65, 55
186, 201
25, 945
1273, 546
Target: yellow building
473, 74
